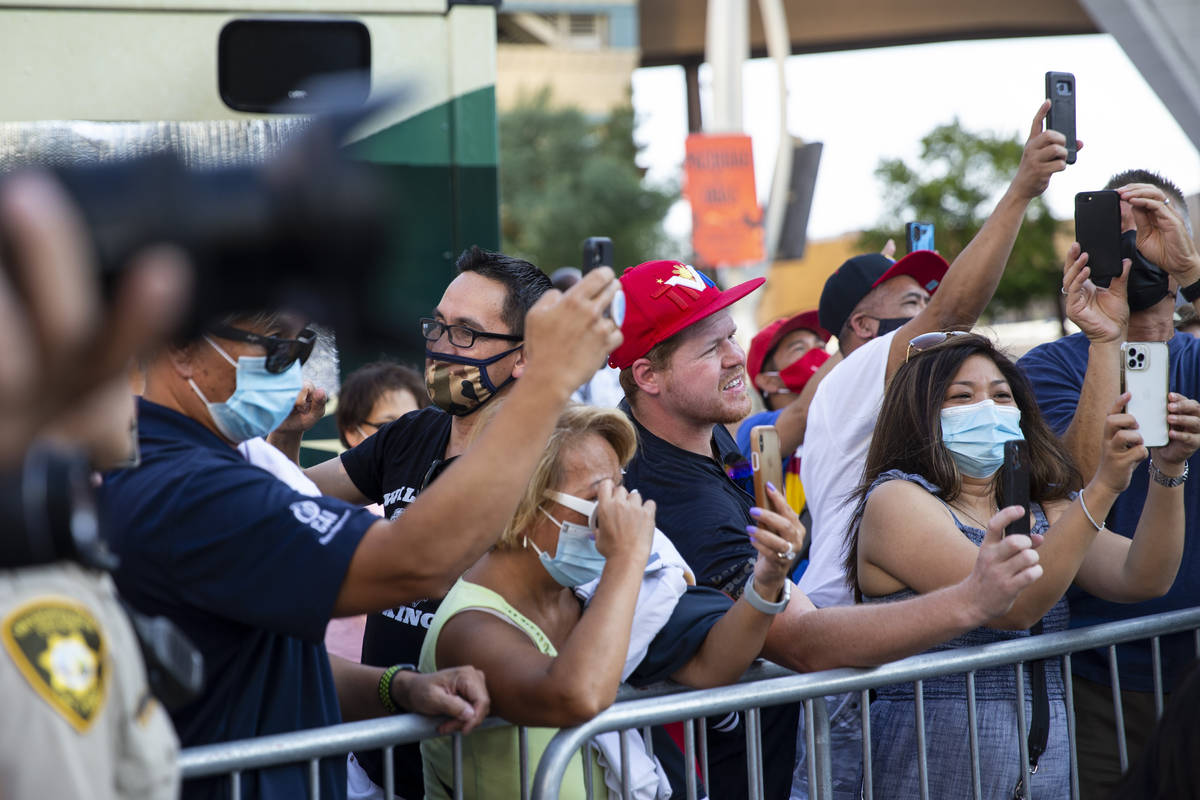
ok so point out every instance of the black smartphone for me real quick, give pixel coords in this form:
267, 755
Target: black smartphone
1060, 91
1014, 483
919, 235
1098, 231
597, 252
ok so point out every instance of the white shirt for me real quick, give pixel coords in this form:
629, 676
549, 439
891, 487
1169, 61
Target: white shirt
841, 422
259, 452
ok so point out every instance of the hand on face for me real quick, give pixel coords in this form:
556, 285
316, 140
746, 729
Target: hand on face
1162, 235
778, 537
1183, 419
567, 333
308, 411
1101, 313
624, 522
1123, 449
1045, 153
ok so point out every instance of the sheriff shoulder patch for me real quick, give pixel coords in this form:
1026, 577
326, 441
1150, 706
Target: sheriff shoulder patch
59, 648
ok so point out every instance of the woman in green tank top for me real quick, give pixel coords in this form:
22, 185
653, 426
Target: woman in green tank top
549, 662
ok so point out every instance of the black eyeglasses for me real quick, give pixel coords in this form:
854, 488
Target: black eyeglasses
932, 339
281, 353
460, 335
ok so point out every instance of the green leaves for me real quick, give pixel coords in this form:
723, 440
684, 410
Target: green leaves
955, 185
565, 176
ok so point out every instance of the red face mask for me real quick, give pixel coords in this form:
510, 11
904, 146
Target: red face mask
798, 373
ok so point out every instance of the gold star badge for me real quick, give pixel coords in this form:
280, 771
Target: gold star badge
59, 648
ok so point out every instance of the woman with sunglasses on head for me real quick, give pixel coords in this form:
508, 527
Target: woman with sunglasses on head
579, 593
930, 497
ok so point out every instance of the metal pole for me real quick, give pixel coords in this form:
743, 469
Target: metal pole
973, 737
868, 767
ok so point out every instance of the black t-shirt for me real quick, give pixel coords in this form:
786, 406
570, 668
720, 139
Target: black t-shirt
705, 514
392, 467
700, 509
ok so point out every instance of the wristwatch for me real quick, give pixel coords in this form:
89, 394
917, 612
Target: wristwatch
1163, 479
765, 606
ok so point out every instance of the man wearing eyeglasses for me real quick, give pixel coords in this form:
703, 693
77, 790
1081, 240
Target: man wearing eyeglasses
252, 570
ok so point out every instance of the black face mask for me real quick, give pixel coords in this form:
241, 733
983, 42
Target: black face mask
890, 324
1147, 281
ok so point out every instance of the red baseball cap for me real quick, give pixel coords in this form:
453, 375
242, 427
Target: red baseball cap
664, 297
765, 340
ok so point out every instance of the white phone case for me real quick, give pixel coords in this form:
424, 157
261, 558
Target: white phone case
1145, 370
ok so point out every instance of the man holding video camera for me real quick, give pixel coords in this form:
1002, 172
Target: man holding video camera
1075, 380
80, 719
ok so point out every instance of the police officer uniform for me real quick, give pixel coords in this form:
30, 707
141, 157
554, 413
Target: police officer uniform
79, 719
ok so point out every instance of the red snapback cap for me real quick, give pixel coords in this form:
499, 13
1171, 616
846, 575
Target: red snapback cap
664, 297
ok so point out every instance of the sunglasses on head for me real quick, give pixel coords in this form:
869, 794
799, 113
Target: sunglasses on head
925, 341
281, 353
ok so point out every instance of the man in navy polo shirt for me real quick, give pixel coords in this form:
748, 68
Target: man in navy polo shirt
1075, 379
684, 379
252, 571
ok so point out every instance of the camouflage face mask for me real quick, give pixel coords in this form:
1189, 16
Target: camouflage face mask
459, 385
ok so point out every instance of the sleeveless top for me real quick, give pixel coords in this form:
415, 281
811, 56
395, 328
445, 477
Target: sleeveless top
490, 758
998, 683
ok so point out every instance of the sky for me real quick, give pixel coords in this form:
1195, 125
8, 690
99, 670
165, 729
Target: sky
865, 105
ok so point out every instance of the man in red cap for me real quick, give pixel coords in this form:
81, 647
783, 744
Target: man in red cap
783, 358
684, 378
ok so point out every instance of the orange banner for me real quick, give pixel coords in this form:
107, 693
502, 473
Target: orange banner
727, 227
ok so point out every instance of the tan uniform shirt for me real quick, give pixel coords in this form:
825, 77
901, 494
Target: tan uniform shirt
79, 720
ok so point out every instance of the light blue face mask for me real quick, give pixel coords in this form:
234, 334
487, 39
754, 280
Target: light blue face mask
576, 560
975, 435
261, 401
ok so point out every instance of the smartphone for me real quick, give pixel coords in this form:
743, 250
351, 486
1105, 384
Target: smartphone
919, 235
1098, 231
597, 252
1145, 370
1014, 483
1060, 91
766, 461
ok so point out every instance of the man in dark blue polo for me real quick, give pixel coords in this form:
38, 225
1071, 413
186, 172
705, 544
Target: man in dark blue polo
252, 571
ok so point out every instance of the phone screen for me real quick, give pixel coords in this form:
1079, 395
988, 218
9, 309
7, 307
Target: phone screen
919, 236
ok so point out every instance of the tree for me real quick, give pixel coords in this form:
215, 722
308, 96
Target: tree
564, 177
955, 185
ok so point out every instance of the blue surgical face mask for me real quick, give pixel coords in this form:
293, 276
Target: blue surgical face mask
260, 402
975, 435
576, 560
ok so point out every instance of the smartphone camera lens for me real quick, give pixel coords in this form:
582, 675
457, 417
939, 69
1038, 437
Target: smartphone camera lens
1063, 88
1132, 364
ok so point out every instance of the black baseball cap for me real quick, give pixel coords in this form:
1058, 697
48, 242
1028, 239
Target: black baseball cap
846, 287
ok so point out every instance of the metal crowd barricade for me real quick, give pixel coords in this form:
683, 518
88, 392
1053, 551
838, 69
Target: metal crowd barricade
793, 688
762, 686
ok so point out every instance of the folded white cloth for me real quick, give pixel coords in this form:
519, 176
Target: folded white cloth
666, 578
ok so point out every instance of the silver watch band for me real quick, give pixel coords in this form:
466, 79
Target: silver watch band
765, 606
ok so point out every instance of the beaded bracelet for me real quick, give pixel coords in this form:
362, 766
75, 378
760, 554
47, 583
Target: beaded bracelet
1088, 514
385, 687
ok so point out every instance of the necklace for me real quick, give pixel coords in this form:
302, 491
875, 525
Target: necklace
980, 525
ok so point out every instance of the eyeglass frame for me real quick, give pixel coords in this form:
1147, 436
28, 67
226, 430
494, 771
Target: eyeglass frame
301, 347
934, 339
446, 328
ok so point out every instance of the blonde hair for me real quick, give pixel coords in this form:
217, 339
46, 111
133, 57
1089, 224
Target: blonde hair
575, 422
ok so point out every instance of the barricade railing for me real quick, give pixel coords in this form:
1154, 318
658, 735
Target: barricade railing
762, 686
793, 688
